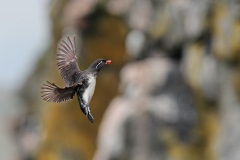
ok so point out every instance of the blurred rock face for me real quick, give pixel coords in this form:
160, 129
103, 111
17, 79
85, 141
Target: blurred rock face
141, 78
175, 66
169, 110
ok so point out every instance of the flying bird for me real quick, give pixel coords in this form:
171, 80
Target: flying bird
76, 81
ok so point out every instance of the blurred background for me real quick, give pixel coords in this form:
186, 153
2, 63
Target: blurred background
171, 93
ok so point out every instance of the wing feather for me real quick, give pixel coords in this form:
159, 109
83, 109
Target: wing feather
67, 61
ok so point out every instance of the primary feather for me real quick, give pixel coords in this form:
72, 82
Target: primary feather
67, 61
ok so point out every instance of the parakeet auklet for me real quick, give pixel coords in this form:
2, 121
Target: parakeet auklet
81, 82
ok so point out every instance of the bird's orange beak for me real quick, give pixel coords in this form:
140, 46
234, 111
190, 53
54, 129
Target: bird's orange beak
108, 62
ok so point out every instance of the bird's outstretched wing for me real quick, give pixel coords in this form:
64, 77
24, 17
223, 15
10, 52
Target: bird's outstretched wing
67, 61
52, 93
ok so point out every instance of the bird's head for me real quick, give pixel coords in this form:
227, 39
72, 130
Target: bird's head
100, 63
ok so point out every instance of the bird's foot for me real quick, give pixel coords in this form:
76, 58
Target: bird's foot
90, 117
88, 113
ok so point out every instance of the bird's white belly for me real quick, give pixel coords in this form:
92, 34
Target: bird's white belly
87, 95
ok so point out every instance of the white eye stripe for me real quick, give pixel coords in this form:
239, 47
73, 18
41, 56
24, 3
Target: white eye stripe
98, 64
